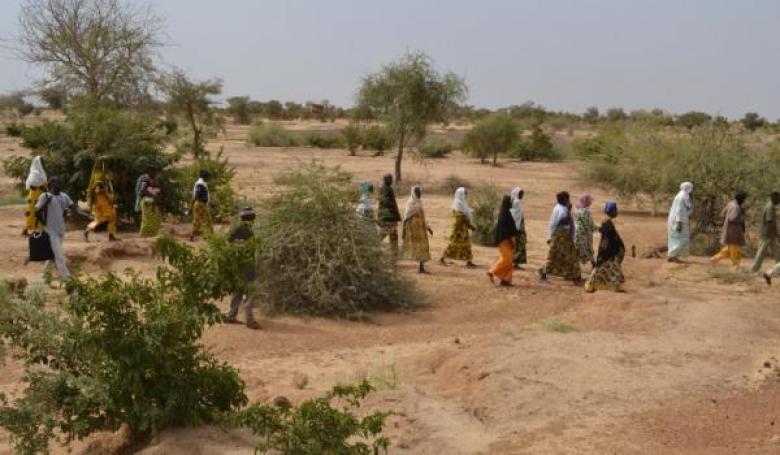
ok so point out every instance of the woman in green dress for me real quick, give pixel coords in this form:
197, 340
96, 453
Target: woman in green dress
459, 246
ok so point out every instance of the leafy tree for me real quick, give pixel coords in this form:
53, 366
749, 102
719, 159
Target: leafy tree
124, 351
408, 95
340, 268
591, 114
104, 49
274, 110
616, 114
192, 100
377, 138
435, 147
752, 121
54, 96
693, 119
125, 141
316, 426
238, 107
494, 135
537, 147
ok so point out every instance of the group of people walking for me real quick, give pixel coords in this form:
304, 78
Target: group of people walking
48, 207
570, 235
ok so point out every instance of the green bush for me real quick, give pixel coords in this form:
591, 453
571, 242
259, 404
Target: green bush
485, 200
492, 136
537, 147
353, 136
316, 426
14, 129
435, 147
377, 138
317, 259
123, 352
126, 141
271, 135
223, 199
324, 140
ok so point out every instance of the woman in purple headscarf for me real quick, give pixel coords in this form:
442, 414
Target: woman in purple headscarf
584, 229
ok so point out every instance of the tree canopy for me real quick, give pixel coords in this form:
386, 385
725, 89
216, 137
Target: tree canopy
409, 95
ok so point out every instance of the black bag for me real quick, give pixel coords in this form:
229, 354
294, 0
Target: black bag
43, 213
40, 247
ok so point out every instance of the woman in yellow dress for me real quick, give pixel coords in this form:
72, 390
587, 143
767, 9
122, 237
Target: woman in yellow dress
459, 246
201, 216
103, 209
415, 231
35, 185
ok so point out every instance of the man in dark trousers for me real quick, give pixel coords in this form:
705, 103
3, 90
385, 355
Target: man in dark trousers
388, 215
241, 232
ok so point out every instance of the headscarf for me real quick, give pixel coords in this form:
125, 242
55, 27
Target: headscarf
506, 228
681, 206
365, 203
460, 204
561, 215
517, 206
740, 196
201, 182
37, 175
611, 209
414, 204
388, 206
585, 201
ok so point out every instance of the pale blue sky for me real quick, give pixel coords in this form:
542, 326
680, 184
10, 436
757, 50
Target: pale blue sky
719, 56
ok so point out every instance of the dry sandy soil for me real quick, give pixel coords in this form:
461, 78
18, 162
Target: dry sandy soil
681, 363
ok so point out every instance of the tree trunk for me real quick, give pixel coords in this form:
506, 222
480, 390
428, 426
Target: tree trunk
495, 159
398, 158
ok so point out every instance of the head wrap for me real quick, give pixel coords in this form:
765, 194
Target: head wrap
681, 206
388, 179
366, 187
365, 203
37, 175
517, 206
413, 204
585, 201
505, 228
460, 204
611, 209
563, 198
740, 196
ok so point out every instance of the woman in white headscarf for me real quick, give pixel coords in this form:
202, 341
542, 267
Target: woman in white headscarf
520, 257
415, 230
679, 224
459, 247
36, 185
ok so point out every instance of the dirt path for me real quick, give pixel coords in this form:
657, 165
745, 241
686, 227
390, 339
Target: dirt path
678, 364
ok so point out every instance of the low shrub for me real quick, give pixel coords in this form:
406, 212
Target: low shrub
377, 138
317, 426
353, 137
123, 351
316, 258
537, 147
271, 135
14, 129
324, 140
435, 147
485, 201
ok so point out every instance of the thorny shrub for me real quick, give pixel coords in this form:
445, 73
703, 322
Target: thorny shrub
316, 259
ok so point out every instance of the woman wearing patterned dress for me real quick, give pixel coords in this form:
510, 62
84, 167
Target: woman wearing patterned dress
459, 247
584, 229
608, 272
562, 258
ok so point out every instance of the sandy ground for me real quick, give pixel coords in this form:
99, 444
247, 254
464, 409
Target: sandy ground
681, 363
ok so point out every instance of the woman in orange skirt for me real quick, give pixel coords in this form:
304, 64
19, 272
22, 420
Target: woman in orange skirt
506, 231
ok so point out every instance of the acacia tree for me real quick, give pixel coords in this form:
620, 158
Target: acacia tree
104, 49
409, 95
239, 108
493, 135
192, 100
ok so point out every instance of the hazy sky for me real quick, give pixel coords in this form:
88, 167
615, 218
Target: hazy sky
719, 56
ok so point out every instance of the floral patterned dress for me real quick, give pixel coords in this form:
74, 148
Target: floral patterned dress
459, 247
583, 237
608, 273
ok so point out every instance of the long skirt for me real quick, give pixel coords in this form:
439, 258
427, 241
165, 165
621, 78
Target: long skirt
201, 219
105, 214
679, 242
520, 250
151, 219
30, 221
459, 246
562, 259
415, 236
607, 276
584, 243
502, 268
